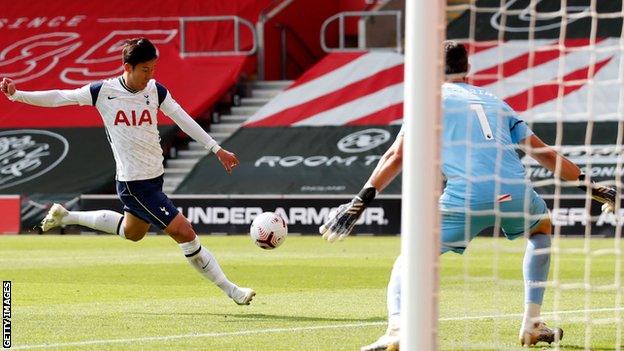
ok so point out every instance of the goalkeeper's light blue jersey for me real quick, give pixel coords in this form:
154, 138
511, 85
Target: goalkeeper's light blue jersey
480, 137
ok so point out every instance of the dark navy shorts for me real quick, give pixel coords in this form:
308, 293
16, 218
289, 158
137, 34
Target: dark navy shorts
146, 200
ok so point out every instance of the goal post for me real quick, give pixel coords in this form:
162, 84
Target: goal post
424, 34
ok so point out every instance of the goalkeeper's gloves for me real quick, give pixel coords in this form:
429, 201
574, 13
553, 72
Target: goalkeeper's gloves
603, 194
342, 220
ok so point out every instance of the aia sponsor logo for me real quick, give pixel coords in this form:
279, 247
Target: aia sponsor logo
26, 154
121, 118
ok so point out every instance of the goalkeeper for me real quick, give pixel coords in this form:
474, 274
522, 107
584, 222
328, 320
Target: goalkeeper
486, 185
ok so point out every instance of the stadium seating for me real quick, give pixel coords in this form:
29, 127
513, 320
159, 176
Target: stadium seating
301, 139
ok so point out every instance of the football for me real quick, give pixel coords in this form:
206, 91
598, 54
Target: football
268, 230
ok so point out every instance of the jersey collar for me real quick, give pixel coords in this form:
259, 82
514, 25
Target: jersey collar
123, 84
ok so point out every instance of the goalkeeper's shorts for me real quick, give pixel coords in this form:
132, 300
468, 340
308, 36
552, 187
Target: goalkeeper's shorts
508, 215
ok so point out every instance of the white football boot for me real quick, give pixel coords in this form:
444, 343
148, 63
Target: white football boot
387, 342
243, 296
540, 332
54, 217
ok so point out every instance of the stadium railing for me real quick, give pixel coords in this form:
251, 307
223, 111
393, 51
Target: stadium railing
363, 44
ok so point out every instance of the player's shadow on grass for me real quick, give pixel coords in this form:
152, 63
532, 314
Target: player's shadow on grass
565, 347
276, 317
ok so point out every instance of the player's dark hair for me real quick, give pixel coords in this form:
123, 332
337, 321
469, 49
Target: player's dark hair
456, 57
138, 50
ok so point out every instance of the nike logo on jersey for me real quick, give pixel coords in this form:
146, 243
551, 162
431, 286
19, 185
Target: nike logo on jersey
111, 97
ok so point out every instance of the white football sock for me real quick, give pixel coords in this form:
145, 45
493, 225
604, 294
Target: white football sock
106, 221
206, 264
394, 295
532, 313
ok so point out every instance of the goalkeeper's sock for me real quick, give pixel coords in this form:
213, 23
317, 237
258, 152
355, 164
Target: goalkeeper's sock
105, 221
394, 295
532, 313
206, 264
535, 269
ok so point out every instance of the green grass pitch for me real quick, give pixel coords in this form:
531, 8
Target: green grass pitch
104, 293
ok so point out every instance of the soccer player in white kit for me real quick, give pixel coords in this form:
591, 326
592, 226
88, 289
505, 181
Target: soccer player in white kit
128, 105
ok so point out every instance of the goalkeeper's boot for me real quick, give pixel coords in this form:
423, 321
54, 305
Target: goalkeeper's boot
542, 333
242, 296
54, 218
387, 342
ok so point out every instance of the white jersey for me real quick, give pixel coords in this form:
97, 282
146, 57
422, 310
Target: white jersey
130, 121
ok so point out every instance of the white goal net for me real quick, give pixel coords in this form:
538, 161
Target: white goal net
560, 65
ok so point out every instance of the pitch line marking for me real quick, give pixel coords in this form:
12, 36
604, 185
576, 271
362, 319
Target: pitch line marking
512, 315
197, 335
279, 330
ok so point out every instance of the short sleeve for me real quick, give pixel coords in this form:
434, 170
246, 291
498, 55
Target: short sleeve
94, 91
518, 129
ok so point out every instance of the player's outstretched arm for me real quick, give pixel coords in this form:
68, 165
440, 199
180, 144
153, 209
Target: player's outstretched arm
549, 158
388, 167
172, 109
227, 159
7, 86
341, 221
46, 98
